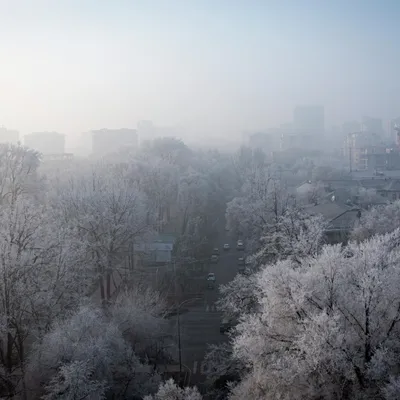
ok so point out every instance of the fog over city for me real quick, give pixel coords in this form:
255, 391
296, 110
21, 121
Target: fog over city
214, 67
199, 200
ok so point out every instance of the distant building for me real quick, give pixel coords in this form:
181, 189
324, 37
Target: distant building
106, 141
46, 142
393, 132
309, 120
292, 139
359, 145
340, 219
8, 136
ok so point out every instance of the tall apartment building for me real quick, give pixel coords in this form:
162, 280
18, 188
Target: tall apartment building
106, 141
393, 131
46, 143
8, 135
359, 146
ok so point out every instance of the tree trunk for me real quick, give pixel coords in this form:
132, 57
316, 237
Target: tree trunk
108, 287
9, 364
102, 293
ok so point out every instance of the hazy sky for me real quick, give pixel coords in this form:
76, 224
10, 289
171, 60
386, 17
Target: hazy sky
71, 66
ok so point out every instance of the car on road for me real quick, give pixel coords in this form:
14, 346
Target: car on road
211, 277
240, 245
214, 259
215, 251
244, 271
241, 261
226, 325
226, 246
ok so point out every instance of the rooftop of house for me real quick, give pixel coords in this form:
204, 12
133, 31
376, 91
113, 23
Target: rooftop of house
371, 174
392, 185
345, 221
329, 210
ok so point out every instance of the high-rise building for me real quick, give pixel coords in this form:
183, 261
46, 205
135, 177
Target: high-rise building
393, 132
106, 141
46, 142
8, 135
309, 120
359, 145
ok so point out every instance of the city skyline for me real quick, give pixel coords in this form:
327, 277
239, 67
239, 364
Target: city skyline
209, 67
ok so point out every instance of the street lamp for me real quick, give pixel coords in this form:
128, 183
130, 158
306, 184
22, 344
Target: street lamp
179, 330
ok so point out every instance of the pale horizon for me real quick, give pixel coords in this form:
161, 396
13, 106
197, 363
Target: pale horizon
207, 66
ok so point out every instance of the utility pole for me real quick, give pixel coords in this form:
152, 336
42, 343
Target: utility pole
179, 341
179, 331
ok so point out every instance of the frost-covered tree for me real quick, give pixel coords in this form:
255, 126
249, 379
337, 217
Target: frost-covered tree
327, 327
73, 381
111, 214
263, 200
159, 180
313, 193
222, 370
171, 391
294, 235
239, 296
41, 264
87, 354
138, 314
366, 198
18, 172
378, 220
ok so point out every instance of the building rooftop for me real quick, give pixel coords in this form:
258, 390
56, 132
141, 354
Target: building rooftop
328, 210
392, 185
371, 174
345, 221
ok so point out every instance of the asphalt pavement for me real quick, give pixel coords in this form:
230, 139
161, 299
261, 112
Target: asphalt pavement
200, 323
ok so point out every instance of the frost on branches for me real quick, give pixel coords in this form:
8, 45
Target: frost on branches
87, 355
262, 201
109, 213
294, 235
239, 296
378, 220
171, 391
327, 326
41, 274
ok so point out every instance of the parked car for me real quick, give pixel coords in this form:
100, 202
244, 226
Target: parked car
215, 251
226, 325
226, 246
211, 277
244, 271
241, 261
240, 245
214, 259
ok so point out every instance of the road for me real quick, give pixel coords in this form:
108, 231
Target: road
200, 322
